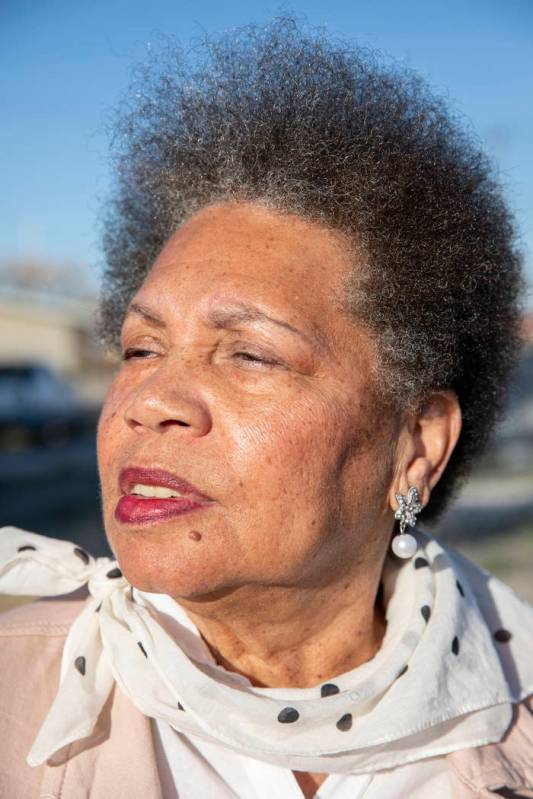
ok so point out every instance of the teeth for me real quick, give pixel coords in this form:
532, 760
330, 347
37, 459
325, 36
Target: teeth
154, 491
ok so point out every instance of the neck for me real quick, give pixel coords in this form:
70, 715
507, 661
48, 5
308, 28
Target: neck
293, 636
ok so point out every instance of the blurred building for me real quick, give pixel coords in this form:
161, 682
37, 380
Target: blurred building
43, 320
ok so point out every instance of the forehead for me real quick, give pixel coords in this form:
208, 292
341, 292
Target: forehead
265, 256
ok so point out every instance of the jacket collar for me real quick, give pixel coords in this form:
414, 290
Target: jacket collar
499, 769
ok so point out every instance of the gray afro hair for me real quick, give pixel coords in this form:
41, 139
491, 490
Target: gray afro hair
279, 115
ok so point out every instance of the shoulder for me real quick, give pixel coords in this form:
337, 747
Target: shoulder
505, 765
49, 617
32, 637
507, 617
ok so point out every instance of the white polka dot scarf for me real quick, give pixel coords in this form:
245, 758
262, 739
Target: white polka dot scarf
456, 653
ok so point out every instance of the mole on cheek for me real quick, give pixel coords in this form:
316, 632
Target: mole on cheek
195, 535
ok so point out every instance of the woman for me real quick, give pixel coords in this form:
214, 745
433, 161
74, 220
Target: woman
313, 283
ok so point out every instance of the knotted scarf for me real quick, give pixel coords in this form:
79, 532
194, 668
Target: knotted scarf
456, 653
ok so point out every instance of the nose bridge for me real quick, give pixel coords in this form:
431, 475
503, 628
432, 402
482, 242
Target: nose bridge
169, 397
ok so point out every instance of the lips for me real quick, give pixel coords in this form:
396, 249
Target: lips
141, 510
159, 477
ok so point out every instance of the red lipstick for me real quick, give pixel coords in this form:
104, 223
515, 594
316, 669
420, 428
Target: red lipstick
135, 509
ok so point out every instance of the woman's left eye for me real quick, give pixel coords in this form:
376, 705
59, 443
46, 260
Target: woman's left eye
133, 353
251, 358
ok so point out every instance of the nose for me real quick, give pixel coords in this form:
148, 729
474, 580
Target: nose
167, 400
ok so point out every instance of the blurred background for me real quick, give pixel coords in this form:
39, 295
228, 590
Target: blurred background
63, 67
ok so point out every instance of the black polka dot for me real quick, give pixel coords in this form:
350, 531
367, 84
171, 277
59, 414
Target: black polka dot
180, 707
97, 610
506, 793
421, 563
114, 573
426, 612
460, 588
345, 722
79, 663
402, 672
502, 636
141, 647
329, 689
81, 553
455, 646
288, 715
25, 547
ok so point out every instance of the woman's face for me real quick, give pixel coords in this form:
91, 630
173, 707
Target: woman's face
277, 427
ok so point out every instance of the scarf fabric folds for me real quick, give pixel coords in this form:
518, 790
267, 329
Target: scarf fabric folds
455, 656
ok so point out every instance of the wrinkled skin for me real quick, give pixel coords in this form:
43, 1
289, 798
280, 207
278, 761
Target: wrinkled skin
280, 572
288, 452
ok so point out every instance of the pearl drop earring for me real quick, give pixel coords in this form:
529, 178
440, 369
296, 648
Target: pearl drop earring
404, 545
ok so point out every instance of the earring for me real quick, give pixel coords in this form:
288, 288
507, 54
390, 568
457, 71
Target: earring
404, 545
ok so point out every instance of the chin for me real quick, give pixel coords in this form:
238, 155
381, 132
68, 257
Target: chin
180, 567
177, 583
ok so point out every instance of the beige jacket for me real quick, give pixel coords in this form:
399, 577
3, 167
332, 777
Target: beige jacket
118, 760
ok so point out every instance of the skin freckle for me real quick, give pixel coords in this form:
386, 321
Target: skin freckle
194, 535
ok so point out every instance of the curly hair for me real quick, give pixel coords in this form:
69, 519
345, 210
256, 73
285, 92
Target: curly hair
310, 125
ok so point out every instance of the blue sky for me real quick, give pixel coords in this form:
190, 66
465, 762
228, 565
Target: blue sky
63, 66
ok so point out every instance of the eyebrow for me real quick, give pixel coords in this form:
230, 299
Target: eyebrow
225, 318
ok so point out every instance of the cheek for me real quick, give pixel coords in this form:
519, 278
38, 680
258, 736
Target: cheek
290, 453
314, 464
108, 432
291, 509
368, 469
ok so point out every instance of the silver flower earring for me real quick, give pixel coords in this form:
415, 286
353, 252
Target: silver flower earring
404, 545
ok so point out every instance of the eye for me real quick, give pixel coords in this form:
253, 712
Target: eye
249, 357
134, 353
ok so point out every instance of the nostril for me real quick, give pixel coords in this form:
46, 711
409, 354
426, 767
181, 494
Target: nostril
158, 413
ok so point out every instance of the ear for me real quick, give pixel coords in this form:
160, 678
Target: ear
426, 441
